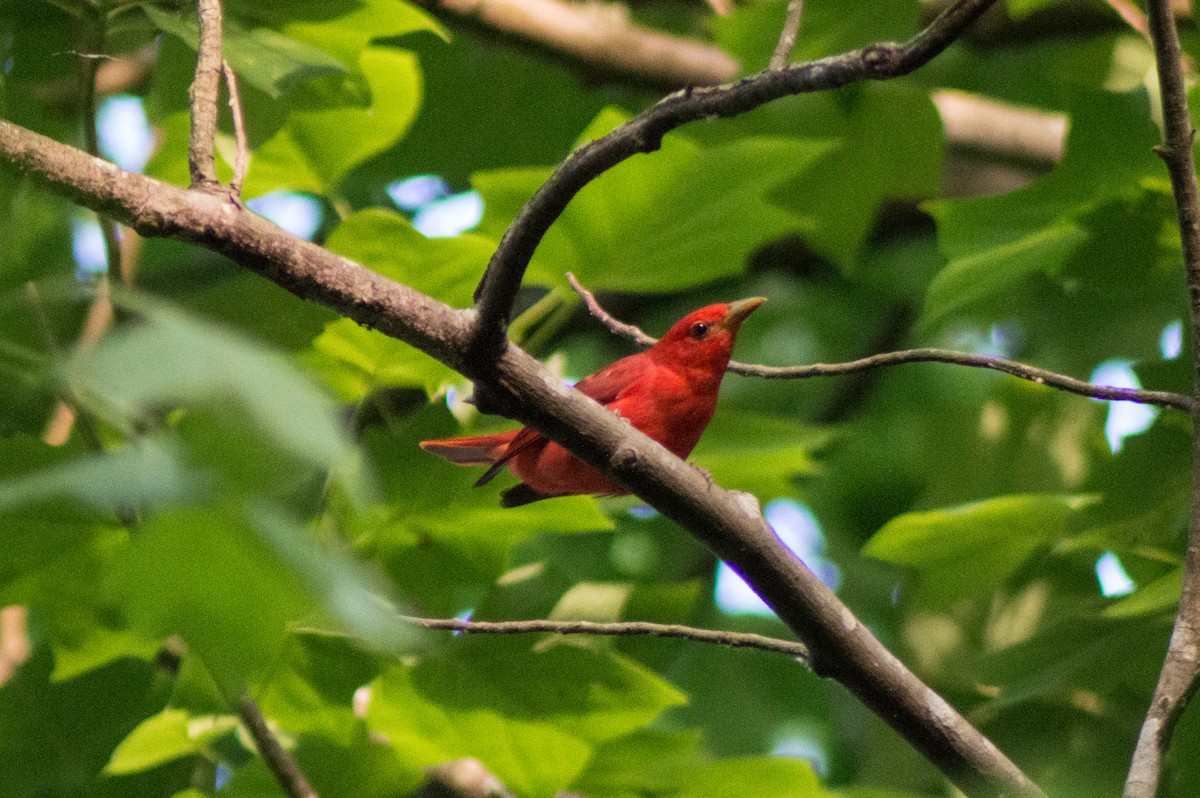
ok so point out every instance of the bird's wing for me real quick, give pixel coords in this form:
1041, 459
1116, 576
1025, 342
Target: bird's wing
610, 382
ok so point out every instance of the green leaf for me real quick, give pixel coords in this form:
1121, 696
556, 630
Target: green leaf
312, 690
532, 716
776, 777
984, 274
990, 242
759, 454
264, 58
214, 367
387, 243
148, 471
355, 362
967, 550
1160, 597
347, 34
171, 734
315, 148
684, 216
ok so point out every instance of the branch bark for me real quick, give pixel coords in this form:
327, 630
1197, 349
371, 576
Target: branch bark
280, 762
203, 97
1180, 674
730, 524
617, 629
498, 289
1053, 379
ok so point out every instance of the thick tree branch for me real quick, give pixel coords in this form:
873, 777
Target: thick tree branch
1180, 673
617, 629
502, 280
1052, 379
280, 762
730, 524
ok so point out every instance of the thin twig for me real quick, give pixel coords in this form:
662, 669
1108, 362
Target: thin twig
281, 763
203, 96
1178, 679
239, 134
617, 629
1052, 379
787, 36
100, 314
498, 289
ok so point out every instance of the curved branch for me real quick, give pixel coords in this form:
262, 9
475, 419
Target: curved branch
1052, 379
1180, 674
498, 289
730, 524
617, 629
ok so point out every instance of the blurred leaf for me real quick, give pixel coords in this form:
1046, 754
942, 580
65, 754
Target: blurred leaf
964, 551
265, 58
149, 471
779, 776
170, 734
531, 716
211, 366
646, 762
1037, 228
312, 690
355, 361
1159, 597
55, 737
386, 242
757, 453
686, 216
316, 148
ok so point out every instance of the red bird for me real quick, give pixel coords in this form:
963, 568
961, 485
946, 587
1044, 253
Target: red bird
669, 392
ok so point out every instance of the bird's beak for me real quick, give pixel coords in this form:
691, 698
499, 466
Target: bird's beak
738, 311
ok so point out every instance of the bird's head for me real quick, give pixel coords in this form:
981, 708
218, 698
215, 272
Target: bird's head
707, 335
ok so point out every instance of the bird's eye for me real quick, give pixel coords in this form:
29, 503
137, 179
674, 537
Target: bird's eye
699, 330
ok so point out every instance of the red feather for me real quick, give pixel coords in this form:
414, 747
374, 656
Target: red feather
669, 392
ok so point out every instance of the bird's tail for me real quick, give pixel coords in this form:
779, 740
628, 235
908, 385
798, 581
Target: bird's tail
477, 450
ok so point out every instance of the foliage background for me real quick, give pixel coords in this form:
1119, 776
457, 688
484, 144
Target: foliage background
245, 471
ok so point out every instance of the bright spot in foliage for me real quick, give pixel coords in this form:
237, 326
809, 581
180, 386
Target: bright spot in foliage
299, 214
1110, 573
802, 745
1170, 343
450, 216
124, 133
411, 193
1124, 418
799, 530
87, 245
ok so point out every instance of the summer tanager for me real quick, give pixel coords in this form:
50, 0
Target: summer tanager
669, 392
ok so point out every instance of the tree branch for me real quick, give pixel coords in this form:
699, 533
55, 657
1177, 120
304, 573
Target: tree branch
787, 36
1178, 679
1052, 379
203, 95
730, 524
617, 629
603, 35
242, 159
502, 280
281, 763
